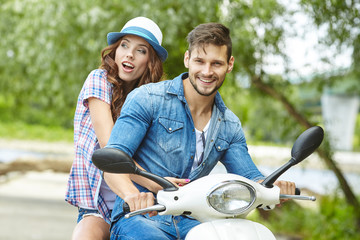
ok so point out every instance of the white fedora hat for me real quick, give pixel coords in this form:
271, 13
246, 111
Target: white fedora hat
145, 28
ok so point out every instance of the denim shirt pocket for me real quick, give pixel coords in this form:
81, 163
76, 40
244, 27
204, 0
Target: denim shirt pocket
170, 134
221, 145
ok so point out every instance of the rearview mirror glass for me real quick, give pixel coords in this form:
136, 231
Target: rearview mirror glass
307, 143
113, 160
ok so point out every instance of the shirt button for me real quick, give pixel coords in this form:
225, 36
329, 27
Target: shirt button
219, 147
212, 140
170, 129
219, 119
192, 157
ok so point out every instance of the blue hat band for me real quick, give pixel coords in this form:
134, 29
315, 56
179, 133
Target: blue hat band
112, 37
141, 32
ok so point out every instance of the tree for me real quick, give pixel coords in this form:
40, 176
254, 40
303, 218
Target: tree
51, 46
47, 54
258, 46
340, 20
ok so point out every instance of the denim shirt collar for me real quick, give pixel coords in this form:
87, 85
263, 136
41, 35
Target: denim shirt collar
177, 88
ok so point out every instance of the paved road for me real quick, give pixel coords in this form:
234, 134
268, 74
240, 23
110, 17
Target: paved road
32, 207
26, 218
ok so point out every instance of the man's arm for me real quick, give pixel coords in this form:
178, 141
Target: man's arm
127, 135
122, 185
102, 122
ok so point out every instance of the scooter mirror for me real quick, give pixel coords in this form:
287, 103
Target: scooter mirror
113, 160
306, 144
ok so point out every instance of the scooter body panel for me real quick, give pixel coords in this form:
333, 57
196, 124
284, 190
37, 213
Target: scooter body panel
230, 229
193, 198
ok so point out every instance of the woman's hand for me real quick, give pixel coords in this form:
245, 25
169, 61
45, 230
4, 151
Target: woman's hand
178, 181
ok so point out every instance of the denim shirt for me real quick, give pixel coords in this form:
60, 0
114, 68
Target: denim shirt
155, 127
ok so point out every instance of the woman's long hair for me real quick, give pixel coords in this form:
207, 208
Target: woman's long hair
153, 73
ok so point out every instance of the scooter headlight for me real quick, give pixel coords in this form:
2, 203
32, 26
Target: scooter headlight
231, 197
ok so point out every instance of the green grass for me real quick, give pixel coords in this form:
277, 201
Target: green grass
20, 130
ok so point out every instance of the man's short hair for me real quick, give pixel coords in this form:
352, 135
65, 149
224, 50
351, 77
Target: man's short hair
210, 33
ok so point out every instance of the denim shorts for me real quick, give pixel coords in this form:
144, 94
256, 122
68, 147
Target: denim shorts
83, 212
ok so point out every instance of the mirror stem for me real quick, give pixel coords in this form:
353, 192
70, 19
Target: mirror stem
269, 181
166, 184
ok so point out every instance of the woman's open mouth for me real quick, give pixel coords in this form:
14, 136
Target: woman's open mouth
128, 67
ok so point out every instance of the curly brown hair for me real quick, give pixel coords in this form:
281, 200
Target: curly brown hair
153, 73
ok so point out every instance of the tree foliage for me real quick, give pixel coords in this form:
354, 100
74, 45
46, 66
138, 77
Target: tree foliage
50, 46
340, 19
48, 49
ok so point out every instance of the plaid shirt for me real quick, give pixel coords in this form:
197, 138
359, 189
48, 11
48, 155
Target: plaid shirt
84, 180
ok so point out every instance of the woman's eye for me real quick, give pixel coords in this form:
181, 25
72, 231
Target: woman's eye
124, 45
142, 51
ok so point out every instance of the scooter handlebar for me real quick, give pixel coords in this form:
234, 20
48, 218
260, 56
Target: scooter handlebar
157, 208
128, 214
297, 196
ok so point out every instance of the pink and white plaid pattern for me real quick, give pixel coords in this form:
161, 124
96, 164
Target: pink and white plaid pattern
83, 184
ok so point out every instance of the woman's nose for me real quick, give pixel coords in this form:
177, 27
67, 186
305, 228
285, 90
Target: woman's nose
130, 53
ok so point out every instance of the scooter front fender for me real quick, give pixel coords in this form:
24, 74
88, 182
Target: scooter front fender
230, 229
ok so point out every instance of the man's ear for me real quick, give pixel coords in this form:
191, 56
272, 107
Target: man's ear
186, 59
231, 64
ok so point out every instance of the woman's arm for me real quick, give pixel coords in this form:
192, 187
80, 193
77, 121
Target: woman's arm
101, 119
103, 123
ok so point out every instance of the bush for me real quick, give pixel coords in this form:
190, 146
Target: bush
333, 219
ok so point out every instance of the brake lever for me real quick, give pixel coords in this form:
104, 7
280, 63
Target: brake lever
158, 208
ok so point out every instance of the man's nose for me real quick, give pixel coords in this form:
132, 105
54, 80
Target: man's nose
207, 70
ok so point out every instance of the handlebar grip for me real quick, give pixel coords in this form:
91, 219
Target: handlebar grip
126, 208
297, 191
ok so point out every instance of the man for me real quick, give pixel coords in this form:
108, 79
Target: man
180, 128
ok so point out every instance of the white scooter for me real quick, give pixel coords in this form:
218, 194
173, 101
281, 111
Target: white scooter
219, 201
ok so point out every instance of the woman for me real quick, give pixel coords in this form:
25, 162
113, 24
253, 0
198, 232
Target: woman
134, 57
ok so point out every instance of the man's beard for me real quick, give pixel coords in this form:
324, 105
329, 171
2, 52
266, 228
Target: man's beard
202, 93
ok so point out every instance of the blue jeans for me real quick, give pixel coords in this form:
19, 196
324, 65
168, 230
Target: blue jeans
85, 212
158, 227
